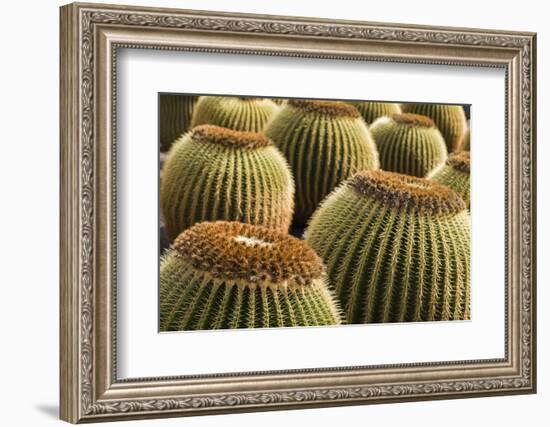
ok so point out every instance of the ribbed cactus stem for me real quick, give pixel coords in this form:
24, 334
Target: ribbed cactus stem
397, 248
213, 173
409, 143
370, 111
450, 119
325, 142
232, 112
224, 275
456, 174
174, 118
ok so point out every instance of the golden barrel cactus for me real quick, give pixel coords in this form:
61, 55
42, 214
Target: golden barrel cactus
214, 173
408, 143
325, 142
233, 112
456, 174
370, 111
174, 117
225, 275
396, 247
450, 119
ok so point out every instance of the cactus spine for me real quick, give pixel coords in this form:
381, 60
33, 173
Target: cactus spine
232, 112
456, 174
397, 248
216, 173
370, 111
450, 119
223, 275
175, 117
325, 142
409, 144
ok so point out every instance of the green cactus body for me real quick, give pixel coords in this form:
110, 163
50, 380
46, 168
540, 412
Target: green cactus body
213, 173
175, 117
232, 112
397, 248
450, 119
456, 174
325, 142
409, 144
225, 275
370, 111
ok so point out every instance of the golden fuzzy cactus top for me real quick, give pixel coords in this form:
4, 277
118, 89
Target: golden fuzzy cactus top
233, 112
396, 247
325, 142
214, 173
409, 143
407, 192
234, 275
251, 254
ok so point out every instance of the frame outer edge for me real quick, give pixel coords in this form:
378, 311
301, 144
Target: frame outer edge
533, 210
69, 397
77, 340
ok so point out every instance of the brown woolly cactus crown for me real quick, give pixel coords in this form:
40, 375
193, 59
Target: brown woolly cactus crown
238, 251
413, 120
407, 192
228, 137
460, 161
330, 108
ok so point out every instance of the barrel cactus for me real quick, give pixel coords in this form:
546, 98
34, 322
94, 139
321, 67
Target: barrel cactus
233, 112
174, 118
225, 275
466, 143
216, 173
450, 119
408, 143
456, 174
370, 111
396, 247
325, 142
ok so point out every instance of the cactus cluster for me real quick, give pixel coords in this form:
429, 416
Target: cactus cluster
397, 248
223, 275
370, 111
232, 112
408, 143
175, 112
325, 142
384, 206
450, 119
456, 174
216, 173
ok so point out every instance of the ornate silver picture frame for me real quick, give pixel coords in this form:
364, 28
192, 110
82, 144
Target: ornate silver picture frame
91, 36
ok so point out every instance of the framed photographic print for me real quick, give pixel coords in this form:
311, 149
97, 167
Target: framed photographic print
266, 212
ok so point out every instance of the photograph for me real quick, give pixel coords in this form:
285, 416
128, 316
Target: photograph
311, 212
